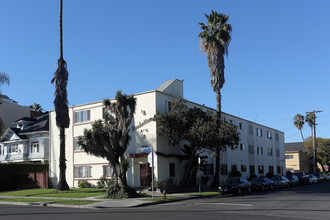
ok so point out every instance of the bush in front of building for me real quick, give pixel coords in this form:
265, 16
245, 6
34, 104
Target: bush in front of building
120, 191
12, 173
83, 184
169, 185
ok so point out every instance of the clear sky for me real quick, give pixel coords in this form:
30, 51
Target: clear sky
278, 63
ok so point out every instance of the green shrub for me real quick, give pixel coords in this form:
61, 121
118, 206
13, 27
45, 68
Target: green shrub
118, 191
103, 183
85, 184
170, 183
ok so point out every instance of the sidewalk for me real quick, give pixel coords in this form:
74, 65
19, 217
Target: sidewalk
102, 203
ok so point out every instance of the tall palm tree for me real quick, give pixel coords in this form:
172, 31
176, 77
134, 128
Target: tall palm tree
215, 39
299, 121
61, 107
4, 79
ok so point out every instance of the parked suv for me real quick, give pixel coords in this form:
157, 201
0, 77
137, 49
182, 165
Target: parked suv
235, 185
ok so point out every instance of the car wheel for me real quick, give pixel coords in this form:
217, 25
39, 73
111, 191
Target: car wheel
239, 191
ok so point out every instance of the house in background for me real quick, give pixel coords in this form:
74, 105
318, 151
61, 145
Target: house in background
297, 158
10, 111
27, 140
261, 148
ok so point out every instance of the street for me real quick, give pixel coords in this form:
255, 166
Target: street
303, 202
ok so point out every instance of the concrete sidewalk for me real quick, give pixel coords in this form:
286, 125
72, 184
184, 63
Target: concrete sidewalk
102, 203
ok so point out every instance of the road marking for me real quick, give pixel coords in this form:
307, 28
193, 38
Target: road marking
229, 204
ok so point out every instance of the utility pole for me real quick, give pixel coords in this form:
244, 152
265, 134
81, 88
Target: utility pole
313, 122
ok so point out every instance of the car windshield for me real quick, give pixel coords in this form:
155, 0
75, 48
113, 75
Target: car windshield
233, 180
258, 179
277, 178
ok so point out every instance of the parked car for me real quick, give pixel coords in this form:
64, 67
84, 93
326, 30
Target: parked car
280, 181
320, 177
262, 183
235, 185
312, 178
327, 177
303, 178
293, 180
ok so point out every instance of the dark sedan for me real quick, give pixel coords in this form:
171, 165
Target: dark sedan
235, 185
293, 180
280, 181
262, 183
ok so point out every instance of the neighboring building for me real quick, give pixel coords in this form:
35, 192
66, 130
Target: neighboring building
27, 141
296, 157
10, 111
261, 149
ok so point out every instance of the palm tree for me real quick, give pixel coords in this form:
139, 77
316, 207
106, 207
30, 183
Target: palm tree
36, 107
215, 39
299, 121
61, 107
4, 79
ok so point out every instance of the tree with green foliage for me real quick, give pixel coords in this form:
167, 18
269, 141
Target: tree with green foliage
322, 148
109, 138
299, 121
215, 39
60, 79
4, 79
198, 129
36, 107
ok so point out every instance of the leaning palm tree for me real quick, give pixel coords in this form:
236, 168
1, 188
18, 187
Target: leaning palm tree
299, 121
61, 107
215, 39
4, 79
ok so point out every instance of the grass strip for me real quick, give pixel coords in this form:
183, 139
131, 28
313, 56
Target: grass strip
157, 199
53, 201
72, 193
204, 194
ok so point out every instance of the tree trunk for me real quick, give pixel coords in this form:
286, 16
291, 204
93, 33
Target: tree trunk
217, 155
62, 184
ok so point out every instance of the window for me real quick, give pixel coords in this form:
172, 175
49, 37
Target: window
82, 116
278, 169
234, 167
34, 147
241, 126
260, 169
242, 147
172, 169
233, 122
252, 170
82, 172
168, 106
258, 151
208, 169
277, 153
250, 130
288, 156
277, 137
76, 146
223, 169
251, 149
243, 168
261, 151
107, 171
13, 148
270, 151
259, 132
269, 135
271, 169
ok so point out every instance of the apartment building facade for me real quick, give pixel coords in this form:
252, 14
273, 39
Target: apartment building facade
261, 149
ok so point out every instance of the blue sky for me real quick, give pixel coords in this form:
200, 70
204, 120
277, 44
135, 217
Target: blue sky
278, 63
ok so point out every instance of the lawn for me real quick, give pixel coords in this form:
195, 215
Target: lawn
52, 201
205, 194
73, 193
157, 199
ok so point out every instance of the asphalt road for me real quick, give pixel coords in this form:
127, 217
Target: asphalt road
304, 202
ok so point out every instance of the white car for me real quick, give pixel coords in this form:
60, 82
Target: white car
312, 178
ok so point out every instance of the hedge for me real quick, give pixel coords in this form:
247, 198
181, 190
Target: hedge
10, 171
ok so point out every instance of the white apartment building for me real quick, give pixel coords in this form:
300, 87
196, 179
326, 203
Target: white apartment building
261, 149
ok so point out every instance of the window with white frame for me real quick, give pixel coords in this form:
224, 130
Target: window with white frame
233, 122
269, 134
250, 130
82, 116
77, 147
241, 126
242, 147
270, 151
34, 147
277, 153
259, 132
288, 156
277, 137
82, 171
13, 148
108, 171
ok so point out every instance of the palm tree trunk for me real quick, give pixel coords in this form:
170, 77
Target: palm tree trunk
217, 155
302, 136
61, 31
62, 184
